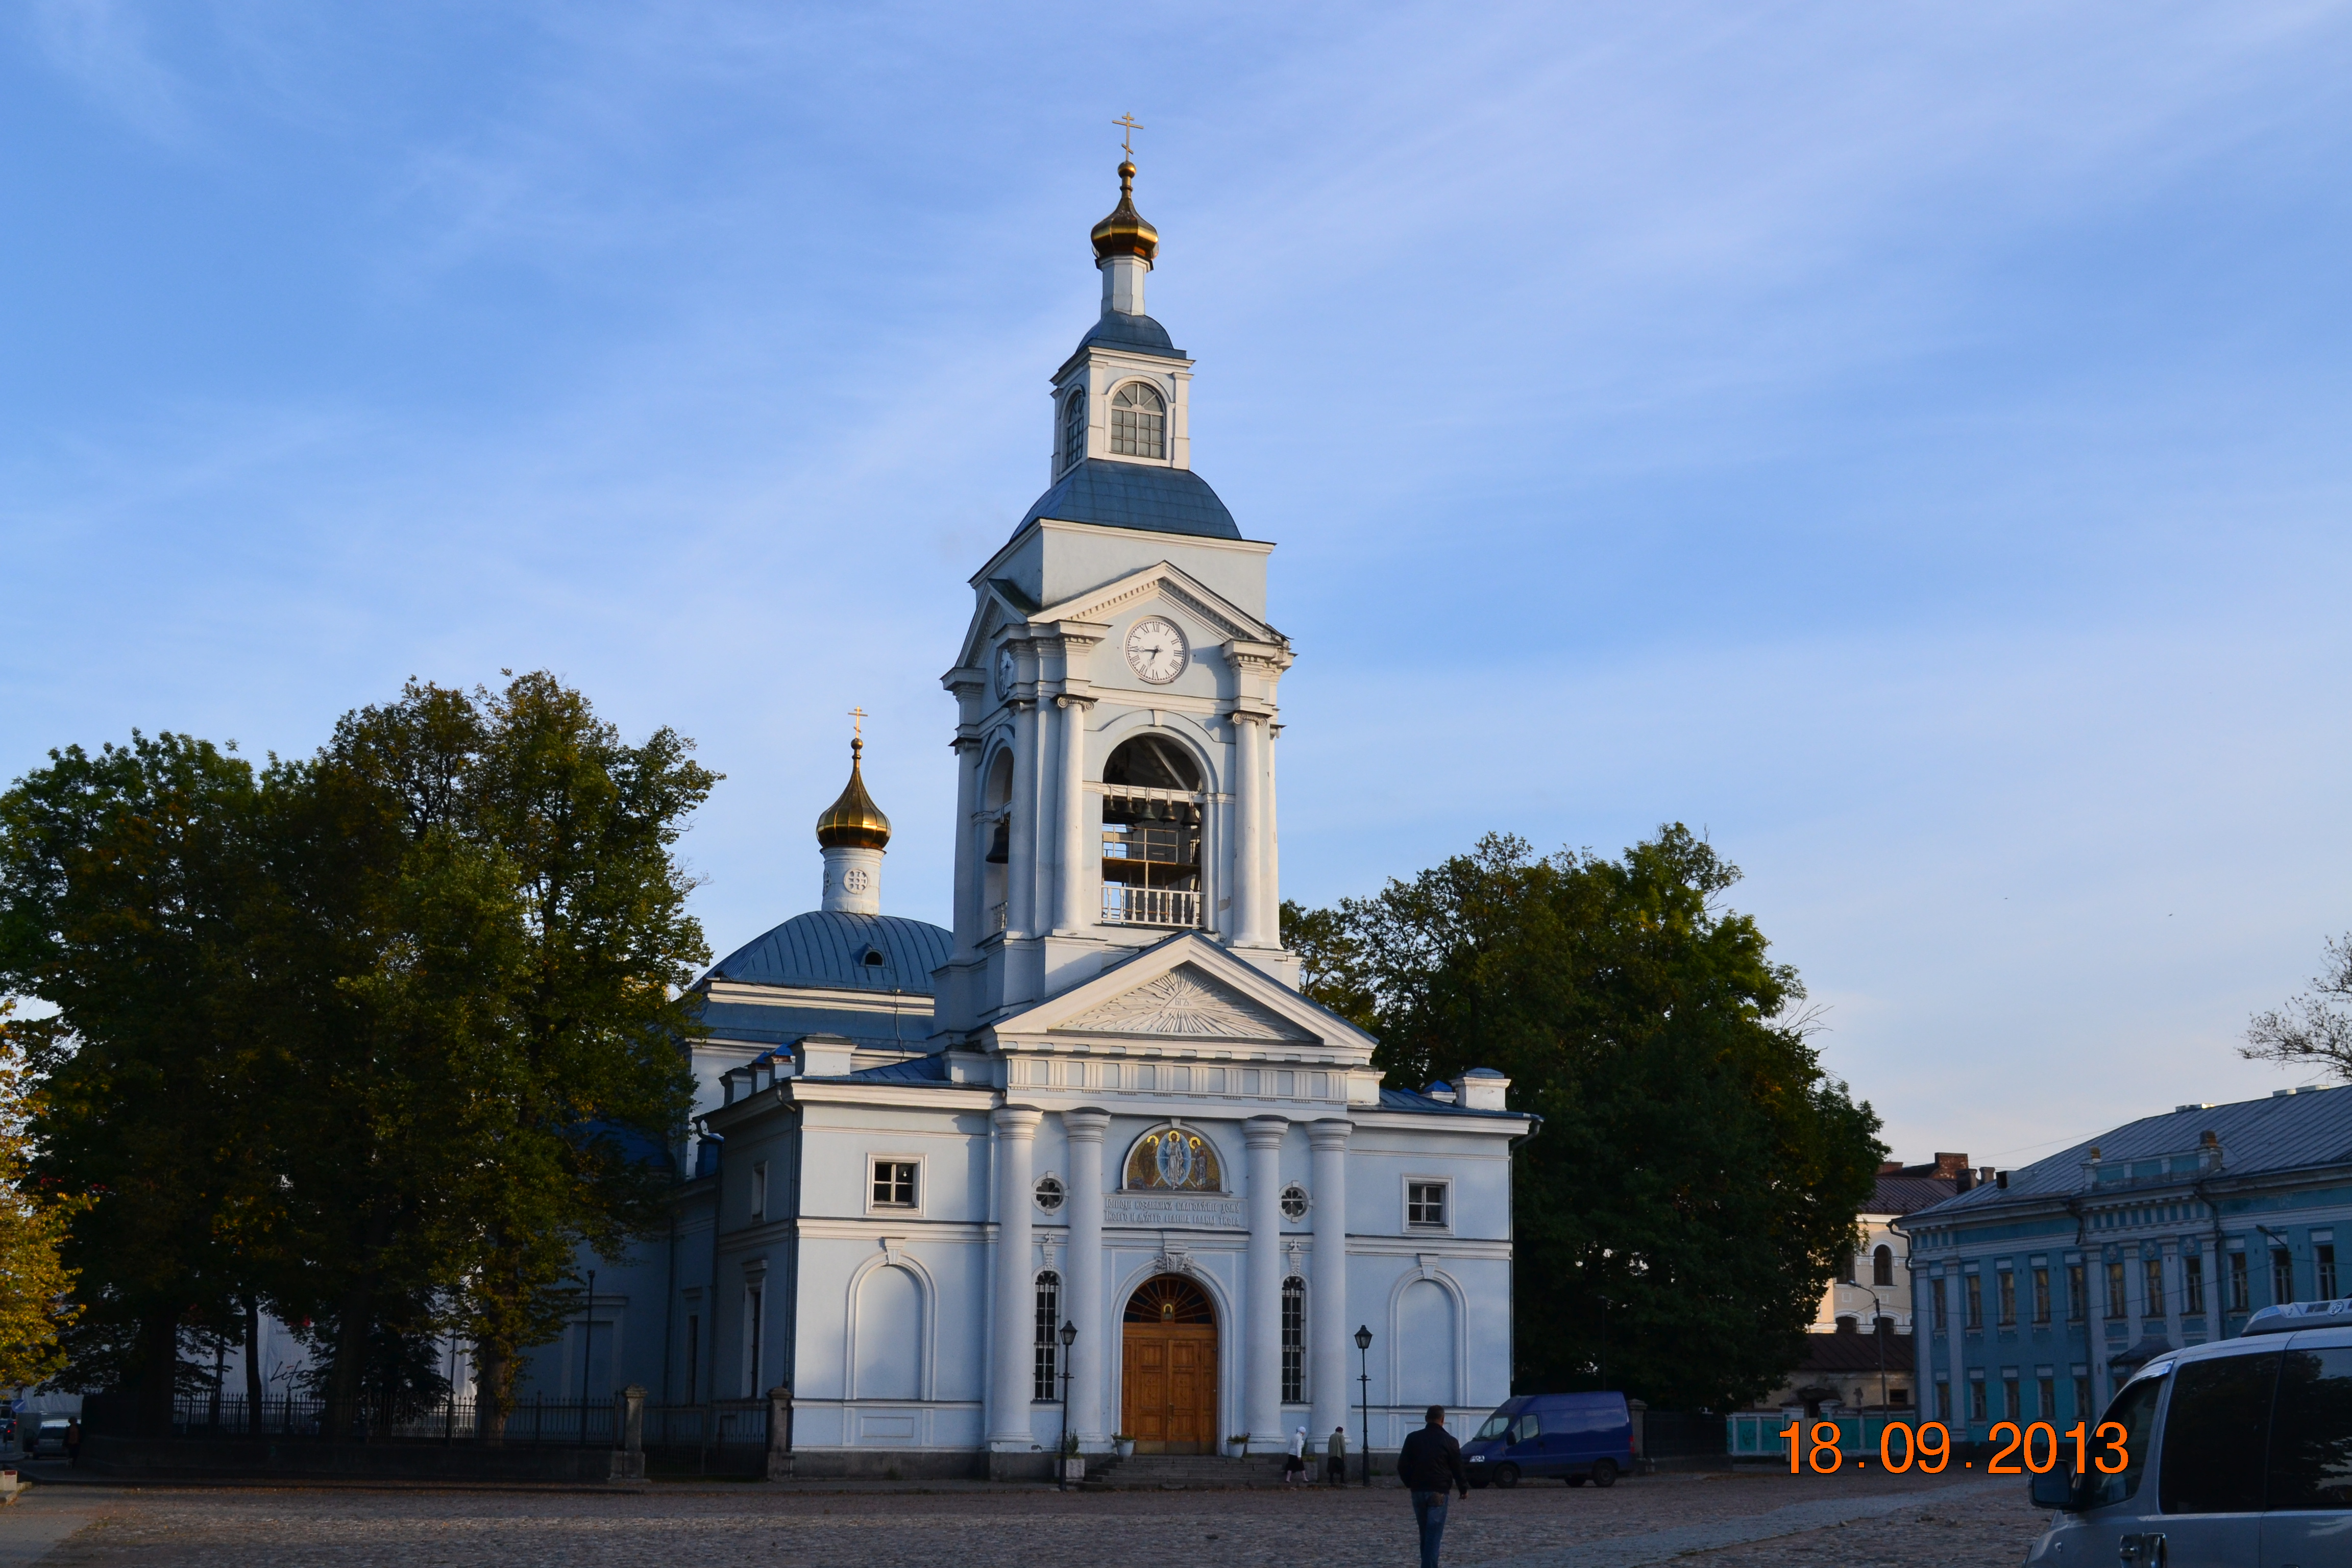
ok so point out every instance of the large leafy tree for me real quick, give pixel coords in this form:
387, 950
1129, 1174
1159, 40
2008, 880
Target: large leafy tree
1696, 1174
35, 1303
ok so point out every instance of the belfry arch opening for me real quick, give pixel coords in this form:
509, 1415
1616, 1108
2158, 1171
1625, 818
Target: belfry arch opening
1153, 802
995, 834
1168, 1367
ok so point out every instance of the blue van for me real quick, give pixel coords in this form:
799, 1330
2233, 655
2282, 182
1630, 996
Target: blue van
1579, 1437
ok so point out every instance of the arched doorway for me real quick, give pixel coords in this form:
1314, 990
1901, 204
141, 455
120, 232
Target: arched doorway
1168, 1381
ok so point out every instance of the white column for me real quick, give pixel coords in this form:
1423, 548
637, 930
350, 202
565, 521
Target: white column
1262, 1314
1020, 862
1249, 840
968, 851
1090, 1353
1270, 868
1008, 1427
1331, 1335
1071, 916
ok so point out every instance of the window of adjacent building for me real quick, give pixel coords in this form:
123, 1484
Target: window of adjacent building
2078, 1294
2082, 1397
2134, 1411
1936, 1306
2311, 1431
754, 1297
2045, 1390
1881, 1266
2281, 1274
1977, 1399
2012, 1406
759, 1192
1942, 1400
1424, 1204
2192, 1284
1046, 1366
1050, 1193
1139, 422
2006, 1285
2210, 1466
1293, 1202
1972, 1302
1294, 1341
2151, 1272
1847, 1277
693, 1353
2238, 1291
894, 1184
2324, 1254
2116, 1307
2042, 1295
1073, 431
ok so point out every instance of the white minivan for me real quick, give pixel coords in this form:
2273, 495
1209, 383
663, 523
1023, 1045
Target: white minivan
2235, 1454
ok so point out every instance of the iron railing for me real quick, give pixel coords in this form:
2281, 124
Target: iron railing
534, 1421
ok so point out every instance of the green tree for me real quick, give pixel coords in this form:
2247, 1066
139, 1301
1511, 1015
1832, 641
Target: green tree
36, 1301
1696, 1175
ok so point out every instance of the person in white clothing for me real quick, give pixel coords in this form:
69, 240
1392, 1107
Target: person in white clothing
1293, 1469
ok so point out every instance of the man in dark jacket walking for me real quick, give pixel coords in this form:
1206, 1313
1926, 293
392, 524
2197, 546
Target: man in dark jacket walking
1430, 1465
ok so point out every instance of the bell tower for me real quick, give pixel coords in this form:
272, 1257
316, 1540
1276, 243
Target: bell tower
1116, 688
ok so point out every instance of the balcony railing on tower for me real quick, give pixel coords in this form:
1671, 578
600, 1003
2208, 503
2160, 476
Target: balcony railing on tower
1125, 905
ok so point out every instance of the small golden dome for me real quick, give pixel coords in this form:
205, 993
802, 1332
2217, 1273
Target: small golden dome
1125, 232
853, 819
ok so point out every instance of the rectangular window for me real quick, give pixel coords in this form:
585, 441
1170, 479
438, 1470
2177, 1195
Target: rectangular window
1936, 1304
2078, 1294
894, 1184
1424, 1204
759, 1192
2045, 1390
1943, 1401
2082, 1397
2042, 1295
693, 1353
2282, 1277
2013, 1407
2151, 1270
1294, 1341
2325, 1254
1977, 1399
2192, 1284
2239, 1292
2115, 1305
1972, 1302
1044, 1381
2005, 1284
753, 1298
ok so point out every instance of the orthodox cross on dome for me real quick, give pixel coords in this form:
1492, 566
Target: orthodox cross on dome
1127, 142
857, 730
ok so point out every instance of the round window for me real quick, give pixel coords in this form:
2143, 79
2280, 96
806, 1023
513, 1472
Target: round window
1049, 1192
1293, 1202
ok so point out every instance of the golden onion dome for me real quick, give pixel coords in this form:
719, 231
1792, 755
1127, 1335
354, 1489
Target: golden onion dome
854, 820
1125, 232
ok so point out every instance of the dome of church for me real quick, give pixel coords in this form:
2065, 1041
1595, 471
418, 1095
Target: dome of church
1125, 232
853, 819
834, 950
1135, 495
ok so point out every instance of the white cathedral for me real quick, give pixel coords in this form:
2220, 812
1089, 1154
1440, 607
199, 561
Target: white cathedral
1090, 1156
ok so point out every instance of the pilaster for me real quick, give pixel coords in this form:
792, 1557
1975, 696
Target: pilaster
1262, 1318
1009, 1423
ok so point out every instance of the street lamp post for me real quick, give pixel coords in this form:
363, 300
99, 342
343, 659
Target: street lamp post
1364, 1405
1879, 1325
587, 1332
1068, 1336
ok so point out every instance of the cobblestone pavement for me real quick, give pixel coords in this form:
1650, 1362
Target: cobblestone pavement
1536, 1526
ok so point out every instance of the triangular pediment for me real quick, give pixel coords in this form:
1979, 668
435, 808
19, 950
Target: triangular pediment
1167, 585
1186, 1002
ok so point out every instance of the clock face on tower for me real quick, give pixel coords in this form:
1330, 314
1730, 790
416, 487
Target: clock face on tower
1156, 650
1005, 672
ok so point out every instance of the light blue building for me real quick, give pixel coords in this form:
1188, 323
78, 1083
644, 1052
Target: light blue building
2038, 1293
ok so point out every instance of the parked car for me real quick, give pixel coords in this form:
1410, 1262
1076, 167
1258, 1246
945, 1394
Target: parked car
1579, 1437
49, 1438
2236, 1453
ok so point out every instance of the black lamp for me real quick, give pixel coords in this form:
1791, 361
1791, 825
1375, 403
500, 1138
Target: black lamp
1068, 1336
1363, 1338
1364, 1405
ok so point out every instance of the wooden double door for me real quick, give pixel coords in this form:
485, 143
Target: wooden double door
1168, 1381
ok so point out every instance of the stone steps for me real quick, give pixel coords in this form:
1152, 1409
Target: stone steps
1181, 1472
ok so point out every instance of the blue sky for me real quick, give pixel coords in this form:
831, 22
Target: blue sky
1909, 443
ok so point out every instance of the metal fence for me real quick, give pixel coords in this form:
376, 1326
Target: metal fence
728, 1425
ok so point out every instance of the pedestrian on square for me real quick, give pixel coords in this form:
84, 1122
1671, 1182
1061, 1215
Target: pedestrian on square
1334, 1463
73, 1442
1293, 1469
1428, 1463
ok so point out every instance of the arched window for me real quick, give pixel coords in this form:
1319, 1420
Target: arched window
1152, 802
1882, 1266
1294, 1341
1045, 1381
1073, 430
1173, 1159
1139, 422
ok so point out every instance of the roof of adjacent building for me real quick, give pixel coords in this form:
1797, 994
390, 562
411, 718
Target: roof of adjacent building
830, 949
1136, 495
1902, 1194
1136, 334
2289, 1132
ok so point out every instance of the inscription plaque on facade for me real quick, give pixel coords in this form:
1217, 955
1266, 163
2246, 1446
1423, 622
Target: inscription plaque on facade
1174, 1212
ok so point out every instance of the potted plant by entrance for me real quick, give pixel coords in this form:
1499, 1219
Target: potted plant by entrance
1125, 1443
1238, 1442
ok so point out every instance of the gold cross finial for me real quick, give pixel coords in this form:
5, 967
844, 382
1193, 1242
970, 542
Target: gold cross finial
857, 718
1127, 142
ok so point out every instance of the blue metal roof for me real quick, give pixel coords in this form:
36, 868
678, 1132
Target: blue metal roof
2258, 1136
918, 1069
1136, 334
1412, 1100
1136, 495
829, 950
